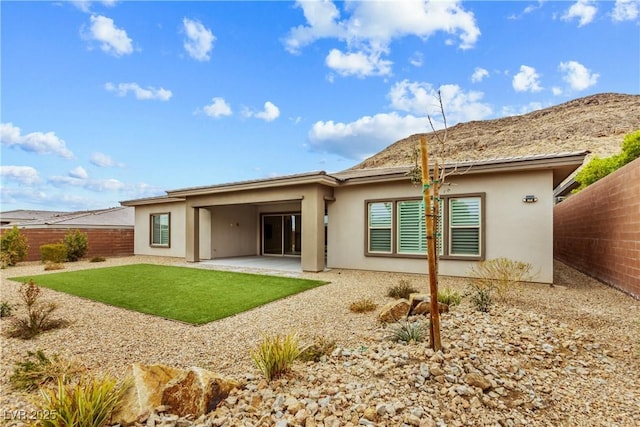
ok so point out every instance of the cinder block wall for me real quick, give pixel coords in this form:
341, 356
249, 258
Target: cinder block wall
597, 231
105, 242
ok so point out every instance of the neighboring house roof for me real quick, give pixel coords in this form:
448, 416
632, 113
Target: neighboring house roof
11, 217
118, 217
562, 165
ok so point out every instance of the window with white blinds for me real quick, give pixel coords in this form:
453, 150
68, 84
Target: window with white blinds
397, 227
412, 236
464, 226
380, 219
160, 229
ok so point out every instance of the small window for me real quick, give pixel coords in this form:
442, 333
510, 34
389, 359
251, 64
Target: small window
160, 229
464, 226
380, 227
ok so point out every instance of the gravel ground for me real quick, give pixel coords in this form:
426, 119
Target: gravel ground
557, 355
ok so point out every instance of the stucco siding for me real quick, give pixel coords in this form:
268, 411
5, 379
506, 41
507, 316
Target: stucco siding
234, 230
513, 229
142, 244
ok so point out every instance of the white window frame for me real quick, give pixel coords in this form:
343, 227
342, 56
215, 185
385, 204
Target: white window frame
371, 227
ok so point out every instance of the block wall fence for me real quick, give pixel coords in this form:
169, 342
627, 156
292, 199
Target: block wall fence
597, 231
105, 242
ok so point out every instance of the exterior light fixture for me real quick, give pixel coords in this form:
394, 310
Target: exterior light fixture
530, 198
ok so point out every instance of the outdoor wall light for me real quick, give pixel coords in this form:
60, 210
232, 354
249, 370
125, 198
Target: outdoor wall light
530, 198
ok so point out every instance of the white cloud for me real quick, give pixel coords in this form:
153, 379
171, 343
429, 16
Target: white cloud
626, 10
358, 64
34, 142
199, 40
103, 160
217, 108
85, 5
421, 98
577, 75
368, 135
270, 112
96, 185
365, 136
417, 59
78, 172
372, 26
584, 10
479, 74
527, 80
557, 91
121, 89
25, 175
114, 40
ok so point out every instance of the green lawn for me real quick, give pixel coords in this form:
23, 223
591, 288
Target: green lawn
190, 295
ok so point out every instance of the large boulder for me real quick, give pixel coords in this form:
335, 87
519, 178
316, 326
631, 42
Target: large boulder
144, 392
193, 391
196, 392
394, 311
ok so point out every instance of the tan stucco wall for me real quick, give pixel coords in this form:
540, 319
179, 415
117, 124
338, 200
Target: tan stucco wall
177, 230
233, 231
513, 229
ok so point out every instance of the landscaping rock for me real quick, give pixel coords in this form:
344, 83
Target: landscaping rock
424, 307
394, 311
144, 393
477, 380
196, 392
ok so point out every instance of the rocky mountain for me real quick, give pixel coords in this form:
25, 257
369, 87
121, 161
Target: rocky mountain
597, 123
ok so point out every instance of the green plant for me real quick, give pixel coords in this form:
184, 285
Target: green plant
98, 259
275, 355
53, 252
501, 274
407, 332
480, 296
77, 244
87, 403
38, 314
13, 247
362, 306
402, 290
37, 369
321, 346
598, 167
5, 309
449, 296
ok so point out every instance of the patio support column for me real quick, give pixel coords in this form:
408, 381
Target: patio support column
192, 234
312, 258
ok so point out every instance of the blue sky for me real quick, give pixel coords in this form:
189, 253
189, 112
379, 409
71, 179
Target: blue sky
117, 100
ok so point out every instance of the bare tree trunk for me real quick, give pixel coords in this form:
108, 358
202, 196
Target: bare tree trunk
432, 255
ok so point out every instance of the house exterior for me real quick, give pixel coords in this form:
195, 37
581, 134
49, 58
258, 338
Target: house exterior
109, 231
369, 219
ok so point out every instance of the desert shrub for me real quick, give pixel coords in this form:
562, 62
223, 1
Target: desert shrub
407, 332
37, 370
449, 296
38, 314
362, 306
402, 290
87, 403
13, 247
480, 296
49, 266
77, 244
98, 259
5, 309
501, 274
321, 346
53, 252
275, 355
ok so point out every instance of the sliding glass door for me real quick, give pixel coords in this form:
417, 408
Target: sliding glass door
282, 234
